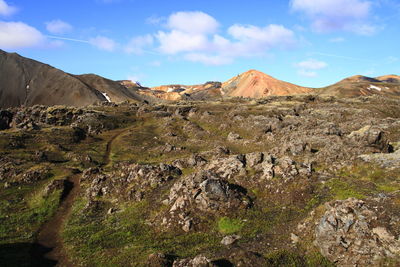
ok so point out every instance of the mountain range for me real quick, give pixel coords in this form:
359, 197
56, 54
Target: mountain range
26, 82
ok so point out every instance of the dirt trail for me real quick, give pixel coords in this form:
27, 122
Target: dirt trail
107, 154
49, 249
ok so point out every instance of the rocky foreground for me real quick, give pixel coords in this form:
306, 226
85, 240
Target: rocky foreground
281, 181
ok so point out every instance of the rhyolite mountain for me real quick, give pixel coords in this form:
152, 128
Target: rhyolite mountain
251, 84
27, 82
358, 85
255, 84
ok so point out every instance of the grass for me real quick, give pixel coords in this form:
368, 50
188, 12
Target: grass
24, 208
363, 180
229, 225
343, 189
124, 238
22, 212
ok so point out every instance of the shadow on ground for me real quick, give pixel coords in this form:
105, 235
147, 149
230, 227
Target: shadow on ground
24, 255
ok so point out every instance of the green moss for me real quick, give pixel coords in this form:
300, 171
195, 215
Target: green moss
342, 190
229, 225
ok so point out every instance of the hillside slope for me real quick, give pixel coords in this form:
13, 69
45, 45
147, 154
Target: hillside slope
358, 85
27, 82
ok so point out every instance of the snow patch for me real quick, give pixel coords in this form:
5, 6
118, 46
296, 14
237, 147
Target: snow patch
373, 87
107, 97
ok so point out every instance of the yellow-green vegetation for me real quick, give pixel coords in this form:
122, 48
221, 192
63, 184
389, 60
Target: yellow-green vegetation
229, 225
91, 238
363, 180
24, 208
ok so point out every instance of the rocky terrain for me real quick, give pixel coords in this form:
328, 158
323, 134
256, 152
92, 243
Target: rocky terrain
280, 181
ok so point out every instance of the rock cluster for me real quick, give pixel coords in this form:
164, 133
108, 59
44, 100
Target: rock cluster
350, 234
203, 191
129, 181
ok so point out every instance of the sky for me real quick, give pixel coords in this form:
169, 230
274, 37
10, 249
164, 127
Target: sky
311, 43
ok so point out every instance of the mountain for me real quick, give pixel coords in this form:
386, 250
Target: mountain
28, 82
253, 84
208, 90
389, 78
256, 84
358, 85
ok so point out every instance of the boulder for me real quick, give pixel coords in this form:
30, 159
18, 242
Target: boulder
5, 119
350, 234
233, 137
230, 239
198, 261
371, 136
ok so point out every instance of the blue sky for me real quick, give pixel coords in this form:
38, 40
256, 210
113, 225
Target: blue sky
308, 42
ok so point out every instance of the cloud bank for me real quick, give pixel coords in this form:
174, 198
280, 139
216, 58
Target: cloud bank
336, 15
196, 37
15, 35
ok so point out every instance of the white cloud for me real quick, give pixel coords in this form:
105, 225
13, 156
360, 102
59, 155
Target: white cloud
208, 59
192, 22
103, 43
136, 45
308, 67
58, 27
155, 20
177, 41
334, 15
312, 64
194, 36
269, 36
6, 9
14, 35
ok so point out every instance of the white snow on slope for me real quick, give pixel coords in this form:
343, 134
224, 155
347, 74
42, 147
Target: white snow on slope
373, 87
106, 96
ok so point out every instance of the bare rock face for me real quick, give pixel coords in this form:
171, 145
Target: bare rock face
207, 192
371, 136
350, 234
227, 167
202, 192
